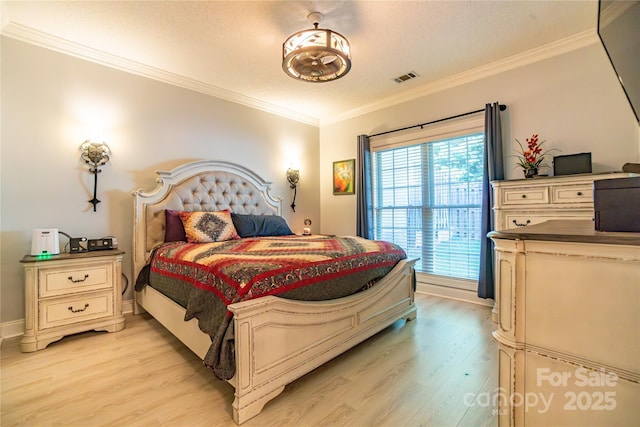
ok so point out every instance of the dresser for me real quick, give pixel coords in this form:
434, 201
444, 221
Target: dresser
522, 202
568, 325
70, 293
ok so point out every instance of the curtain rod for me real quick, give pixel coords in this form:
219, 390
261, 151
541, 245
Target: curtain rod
502, 108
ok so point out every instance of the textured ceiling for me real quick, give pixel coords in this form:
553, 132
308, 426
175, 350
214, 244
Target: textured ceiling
235, 46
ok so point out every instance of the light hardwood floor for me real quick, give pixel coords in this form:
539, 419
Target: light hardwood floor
421, 373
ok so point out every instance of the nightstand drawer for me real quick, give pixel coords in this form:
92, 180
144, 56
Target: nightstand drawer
72, 279
572, 194
525, 196
63, 311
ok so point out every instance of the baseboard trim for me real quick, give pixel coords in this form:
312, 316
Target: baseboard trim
12, 329
452, 293
127, 306
15, 328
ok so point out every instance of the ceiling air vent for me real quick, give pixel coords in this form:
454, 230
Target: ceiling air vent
410, 75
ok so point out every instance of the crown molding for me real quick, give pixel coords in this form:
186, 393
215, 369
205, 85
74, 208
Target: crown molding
550, 50
48, 41
29, 35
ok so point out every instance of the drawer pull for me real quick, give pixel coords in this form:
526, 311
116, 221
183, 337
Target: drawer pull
79, 309
86, 276
579, 193
522, 225
524, 196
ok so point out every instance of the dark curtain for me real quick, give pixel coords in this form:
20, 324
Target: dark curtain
364, 195
493, 170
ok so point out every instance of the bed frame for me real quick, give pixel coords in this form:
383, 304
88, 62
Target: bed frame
276, 340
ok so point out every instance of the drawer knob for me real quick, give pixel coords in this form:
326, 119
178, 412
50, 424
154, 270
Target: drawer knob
71, 309
522, 225
86, 276
579, 193
524, 196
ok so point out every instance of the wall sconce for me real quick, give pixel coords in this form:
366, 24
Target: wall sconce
95, 154
293, 176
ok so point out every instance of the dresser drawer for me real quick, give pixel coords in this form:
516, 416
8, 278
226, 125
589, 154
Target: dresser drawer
522, 220
514, 220
74, 278
572, 194
63, 311
525, 196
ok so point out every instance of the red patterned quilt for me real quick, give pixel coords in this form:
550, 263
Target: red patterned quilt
248, 268
206, 277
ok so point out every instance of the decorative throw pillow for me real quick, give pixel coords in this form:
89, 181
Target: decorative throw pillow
173, 228
260, 225
206, 227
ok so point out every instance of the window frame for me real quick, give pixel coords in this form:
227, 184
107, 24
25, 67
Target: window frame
436, 132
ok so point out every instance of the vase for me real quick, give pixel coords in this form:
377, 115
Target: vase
530, 173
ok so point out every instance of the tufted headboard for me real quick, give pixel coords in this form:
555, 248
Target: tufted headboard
205, 185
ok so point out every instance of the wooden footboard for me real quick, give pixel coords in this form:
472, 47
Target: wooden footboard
278, 340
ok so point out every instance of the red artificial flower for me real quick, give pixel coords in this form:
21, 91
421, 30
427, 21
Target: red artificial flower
533, 157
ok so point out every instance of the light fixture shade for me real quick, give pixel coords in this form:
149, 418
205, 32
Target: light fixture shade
316, 55
293, 176
95, 153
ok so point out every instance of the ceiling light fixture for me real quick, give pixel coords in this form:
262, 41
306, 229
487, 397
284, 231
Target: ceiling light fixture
316, 55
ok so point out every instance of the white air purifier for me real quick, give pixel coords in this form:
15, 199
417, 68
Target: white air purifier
45, 241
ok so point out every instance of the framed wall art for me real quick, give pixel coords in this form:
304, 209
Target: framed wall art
344, 173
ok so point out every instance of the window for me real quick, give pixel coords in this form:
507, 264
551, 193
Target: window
427, 199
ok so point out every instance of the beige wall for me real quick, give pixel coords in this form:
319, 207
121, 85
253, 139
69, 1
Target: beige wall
573, 101
51, 102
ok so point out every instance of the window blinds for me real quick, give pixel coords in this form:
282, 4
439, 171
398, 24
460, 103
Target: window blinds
427, 199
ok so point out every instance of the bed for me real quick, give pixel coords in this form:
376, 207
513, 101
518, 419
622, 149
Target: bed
274, 340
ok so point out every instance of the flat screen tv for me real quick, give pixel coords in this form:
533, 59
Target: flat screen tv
619, 31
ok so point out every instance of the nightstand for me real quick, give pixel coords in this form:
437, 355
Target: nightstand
70, 293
